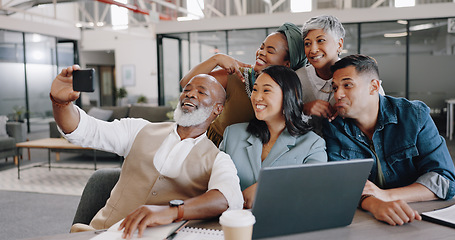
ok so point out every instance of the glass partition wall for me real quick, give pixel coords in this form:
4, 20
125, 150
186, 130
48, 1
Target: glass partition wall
416, 57
380, 41
40, 69
12, 77
431, 62
28, 64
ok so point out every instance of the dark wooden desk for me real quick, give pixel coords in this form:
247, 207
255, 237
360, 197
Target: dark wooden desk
363, 226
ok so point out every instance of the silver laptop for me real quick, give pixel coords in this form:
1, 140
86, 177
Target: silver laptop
308, 197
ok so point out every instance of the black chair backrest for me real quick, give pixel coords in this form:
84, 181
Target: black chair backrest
96, 192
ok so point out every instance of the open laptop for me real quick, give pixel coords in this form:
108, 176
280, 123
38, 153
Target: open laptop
308, 197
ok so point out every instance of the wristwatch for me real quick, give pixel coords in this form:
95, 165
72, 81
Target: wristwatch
179, 205
362, 198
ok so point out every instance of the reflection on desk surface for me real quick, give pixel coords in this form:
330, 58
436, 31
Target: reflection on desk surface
364, 226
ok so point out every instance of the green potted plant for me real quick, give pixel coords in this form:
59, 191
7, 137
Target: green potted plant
142, 99
122, 93
121, 96
173, 104
18, 113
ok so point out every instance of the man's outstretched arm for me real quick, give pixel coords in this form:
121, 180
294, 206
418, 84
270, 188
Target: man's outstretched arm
62, 95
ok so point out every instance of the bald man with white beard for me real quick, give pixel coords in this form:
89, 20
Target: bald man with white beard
164, 162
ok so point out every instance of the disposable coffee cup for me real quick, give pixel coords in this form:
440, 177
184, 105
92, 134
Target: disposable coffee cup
237, 224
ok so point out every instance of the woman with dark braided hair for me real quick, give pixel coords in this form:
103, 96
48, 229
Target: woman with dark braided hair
283, 47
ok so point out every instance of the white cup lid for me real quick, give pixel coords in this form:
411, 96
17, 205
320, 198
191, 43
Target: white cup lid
237, 218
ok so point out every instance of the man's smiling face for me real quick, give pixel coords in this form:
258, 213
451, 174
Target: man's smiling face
198, 101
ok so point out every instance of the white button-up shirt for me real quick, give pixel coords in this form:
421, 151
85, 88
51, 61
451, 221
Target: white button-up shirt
118, 137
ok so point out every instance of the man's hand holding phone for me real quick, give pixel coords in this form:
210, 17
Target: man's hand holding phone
62, 94
83, 80
62, 86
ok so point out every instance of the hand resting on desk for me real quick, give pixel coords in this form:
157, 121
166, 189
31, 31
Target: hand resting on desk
147, 216
390, 205
396, 212
208, 205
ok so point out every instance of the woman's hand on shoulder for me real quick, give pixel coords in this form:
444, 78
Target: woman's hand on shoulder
230, 64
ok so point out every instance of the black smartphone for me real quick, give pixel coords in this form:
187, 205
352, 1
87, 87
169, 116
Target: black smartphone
83, 80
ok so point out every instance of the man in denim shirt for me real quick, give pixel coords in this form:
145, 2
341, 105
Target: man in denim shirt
412, 162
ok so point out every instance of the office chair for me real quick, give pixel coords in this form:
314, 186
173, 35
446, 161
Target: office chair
96, 192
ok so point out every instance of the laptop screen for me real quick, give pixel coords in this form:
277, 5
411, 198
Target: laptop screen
308, 197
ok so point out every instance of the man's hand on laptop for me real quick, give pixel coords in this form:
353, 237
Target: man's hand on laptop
248, 196
392, 212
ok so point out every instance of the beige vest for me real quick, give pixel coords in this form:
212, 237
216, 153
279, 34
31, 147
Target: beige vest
140, 183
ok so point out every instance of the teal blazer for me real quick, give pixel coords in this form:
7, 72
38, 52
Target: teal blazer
246, 149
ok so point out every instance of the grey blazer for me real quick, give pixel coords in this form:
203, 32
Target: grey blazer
246, 149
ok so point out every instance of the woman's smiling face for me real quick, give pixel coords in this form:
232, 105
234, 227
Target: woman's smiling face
321, 48
273, 51
267, 99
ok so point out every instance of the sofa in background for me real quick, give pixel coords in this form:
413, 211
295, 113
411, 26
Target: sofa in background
16, 132
150, 113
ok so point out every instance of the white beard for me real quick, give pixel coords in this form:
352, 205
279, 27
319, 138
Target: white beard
187, 119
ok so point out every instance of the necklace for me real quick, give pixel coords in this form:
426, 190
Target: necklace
246, 74
325, 91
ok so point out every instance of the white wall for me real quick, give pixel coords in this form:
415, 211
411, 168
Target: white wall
133, 47
97, 58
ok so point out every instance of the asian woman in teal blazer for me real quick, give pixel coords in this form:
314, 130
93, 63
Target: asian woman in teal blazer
279, 135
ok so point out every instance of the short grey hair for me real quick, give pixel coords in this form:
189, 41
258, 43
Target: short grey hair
328, 23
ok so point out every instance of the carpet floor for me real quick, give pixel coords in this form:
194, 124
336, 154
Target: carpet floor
43, 202
63, 178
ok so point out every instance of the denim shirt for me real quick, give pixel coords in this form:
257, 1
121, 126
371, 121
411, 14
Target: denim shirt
405, 140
